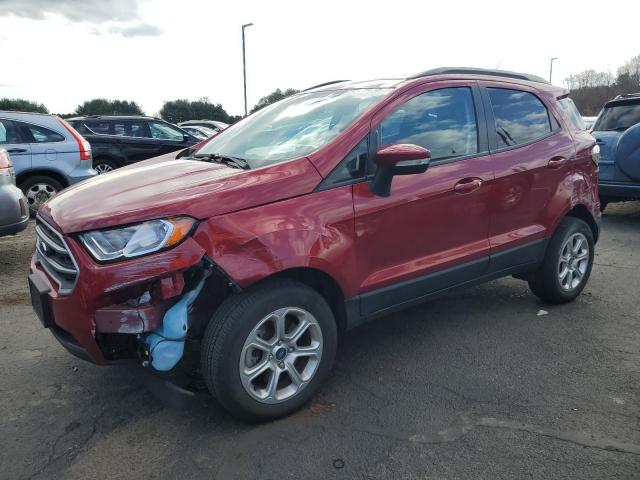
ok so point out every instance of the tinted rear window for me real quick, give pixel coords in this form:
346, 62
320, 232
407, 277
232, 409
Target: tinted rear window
520, 117
618, 117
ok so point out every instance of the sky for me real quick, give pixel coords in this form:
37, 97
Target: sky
62, 52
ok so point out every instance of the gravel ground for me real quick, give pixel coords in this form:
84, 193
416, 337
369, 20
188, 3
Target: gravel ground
474, 385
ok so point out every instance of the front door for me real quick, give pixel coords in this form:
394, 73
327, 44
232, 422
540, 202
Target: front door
432, 231
17, 147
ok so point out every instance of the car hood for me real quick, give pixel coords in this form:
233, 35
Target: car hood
158, 187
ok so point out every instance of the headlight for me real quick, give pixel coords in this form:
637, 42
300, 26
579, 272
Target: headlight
136, 240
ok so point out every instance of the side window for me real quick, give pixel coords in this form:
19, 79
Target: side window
351, 167
442, 121
39, 134
520, 117
138, 129
9, 132
118, 128
164, 131
101, 127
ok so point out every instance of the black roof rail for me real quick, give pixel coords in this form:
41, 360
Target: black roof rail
324, 84
478, 71
627, 95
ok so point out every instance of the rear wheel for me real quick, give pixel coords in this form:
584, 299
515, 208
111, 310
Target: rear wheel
567, 263
38, 190
266, 351
102, 165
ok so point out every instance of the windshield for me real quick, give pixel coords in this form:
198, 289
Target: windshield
293, 127
618, 117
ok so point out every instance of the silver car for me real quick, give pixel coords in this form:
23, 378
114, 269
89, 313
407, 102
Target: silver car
47, 153
14, 214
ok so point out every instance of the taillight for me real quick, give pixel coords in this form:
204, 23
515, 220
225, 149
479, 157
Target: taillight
5, 162
85, 148
595, 154
23, 208
6, 167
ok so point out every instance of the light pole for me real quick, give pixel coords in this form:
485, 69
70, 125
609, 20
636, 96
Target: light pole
244, 68
551, 69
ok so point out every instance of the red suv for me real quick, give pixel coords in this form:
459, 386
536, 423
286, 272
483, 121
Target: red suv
329, 208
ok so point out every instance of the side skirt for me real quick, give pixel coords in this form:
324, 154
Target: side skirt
384, 301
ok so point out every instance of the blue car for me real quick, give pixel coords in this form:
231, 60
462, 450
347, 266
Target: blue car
617, 132
47, 153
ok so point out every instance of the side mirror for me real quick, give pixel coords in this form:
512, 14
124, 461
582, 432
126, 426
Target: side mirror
186, 137
397, 159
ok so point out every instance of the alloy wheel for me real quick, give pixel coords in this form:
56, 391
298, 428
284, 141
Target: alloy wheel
103, 168
281, 355
574, 261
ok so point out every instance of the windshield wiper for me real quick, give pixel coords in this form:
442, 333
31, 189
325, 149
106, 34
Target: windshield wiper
234, 162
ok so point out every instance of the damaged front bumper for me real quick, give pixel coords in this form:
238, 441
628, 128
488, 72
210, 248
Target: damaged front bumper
110, 313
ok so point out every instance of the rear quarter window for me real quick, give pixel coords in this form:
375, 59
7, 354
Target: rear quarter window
572, 114
38, 134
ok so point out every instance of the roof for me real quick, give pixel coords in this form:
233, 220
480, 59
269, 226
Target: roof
449, 72
479, 71
627, 98
113, 117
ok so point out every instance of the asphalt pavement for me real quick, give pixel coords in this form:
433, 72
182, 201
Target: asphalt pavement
485, 383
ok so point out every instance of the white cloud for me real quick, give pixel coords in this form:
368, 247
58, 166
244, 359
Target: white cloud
155, 50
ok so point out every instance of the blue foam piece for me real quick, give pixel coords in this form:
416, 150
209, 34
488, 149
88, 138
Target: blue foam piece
166, 343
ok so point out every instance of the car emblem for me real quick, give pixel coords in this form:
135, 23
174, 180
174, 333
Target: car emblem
281, 353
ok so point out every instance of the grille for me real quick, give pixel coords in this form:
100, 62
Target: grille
55, 257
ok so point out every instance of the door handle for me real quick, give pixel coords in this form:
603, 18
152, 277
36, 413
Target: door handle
468, 185
17, 150
557, 162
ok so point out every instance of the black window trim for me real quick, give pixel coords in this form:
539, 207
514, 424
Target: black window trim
491, 122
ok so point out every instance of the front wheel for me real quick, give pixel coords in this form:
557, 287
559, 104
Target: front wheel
266, 351
567, 263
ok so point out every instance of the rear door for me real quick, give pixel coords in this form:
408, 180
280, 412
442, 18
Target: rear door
135, 139
431, 232
50, 150
17, 146
531, 155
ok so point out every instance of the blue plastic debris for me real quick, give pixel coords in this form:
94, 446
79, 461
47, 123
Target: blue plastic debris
166, 343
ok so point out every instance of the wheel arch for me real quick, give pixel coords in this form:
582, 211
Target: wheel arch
321, 282
24, 176
582, 212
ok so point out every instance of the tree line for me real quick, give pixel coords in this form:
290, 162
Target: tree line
174, 111
590, 89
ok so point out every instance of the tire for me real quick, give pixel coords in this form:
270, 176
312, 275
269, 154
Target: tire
547, 282
227, 350
38, 190
103, 165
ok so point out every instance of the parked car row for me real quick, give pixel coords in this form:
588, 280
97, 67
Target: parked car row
312, 216
48, 154
117, 141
